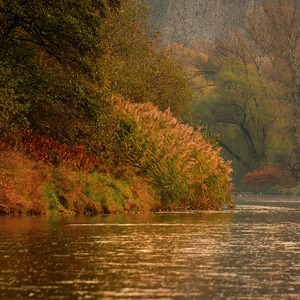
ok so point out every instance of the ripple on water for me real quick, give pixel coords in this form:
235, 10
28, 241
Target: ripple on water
251, 253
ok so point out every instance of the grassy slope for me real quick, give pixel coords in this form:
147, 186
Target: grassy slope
30, 187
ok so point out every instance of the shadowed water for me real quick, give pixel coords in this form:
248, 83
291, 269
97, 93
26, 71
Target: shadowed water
250, 253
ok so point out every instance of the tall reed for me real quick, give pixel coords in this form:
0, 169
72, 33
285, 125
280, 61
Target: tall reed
186, 170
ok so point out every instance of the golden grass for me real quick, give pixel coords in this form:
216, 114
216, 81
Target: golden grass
21, 182
31, 187
176, 158
162, 164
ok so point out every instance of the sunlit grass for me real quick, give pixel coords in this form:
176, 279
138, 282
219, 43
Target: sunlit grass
185, 168
31, 187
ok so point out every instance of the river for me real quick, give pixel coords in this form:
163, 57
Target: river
252, 252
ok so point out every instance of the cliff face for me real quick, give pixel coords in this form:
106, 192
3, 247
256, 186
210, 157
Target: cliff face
183, 20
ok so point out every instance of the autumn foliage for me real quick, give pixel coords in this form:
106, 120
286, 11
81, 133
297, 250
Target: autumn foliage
51, 152
267, 179
21, 182
185, 168
260, 178
54, 153
65, 147
162, 164
28, 186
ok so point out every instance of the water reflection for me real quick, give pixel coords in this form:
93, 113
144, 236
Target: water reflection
251, 253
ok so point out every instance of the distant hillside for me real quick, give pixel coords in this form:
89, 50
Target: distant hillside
183, 20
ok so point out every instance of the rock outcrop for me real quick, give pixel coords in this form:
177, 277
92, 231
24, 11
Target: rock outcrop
183, 20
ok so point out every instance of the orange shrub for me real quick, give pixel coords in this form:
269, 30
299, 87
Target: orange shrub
21, 182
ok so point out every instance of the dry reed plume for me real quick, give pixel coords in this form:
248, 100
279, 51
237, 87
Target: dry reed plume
186, 168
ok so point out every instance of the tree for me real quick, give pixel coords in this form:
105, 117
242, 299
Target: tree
62, 59
137, 68
48, 68
238, 110
268, 43
274, 28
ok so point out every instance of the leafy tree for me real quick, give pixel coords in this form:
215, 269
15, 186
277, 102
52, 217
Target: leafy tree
62, 59
239, 111
267, 47
138, 69
48, 68
274, 29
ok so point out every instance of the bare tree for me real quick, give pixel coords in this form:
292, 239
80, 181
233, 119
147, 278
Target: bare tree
275, 30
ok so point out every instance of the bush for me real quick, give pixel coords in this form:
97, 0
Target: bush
51, 152
268, 179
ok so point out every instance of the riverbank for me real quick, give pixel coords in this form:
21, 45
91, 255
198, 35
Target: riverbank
152, 162
276, 190
29, 187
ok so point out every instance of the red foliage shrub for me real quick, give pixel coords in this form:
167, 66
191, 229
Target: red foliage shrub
53, 152
261, 178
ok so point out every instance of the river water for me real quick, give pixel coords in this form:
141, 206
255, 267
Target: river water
252, 252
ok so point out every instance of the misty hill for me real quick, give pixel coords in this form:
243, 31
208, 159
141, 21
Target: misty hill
183, 20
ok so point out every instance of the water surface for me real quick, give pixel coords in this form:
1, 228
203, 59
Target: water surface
250, 253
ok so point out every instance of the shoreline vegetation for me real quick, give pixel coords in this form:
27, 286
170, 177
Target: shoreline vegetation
97, 117
71, 141
167, 165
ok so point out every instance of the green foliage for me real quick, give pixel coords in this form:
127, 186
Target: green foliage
50, 193
48, 52
61, 59
67, 31
95, 192
60, 63
246, 88
138, 70
239, 110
